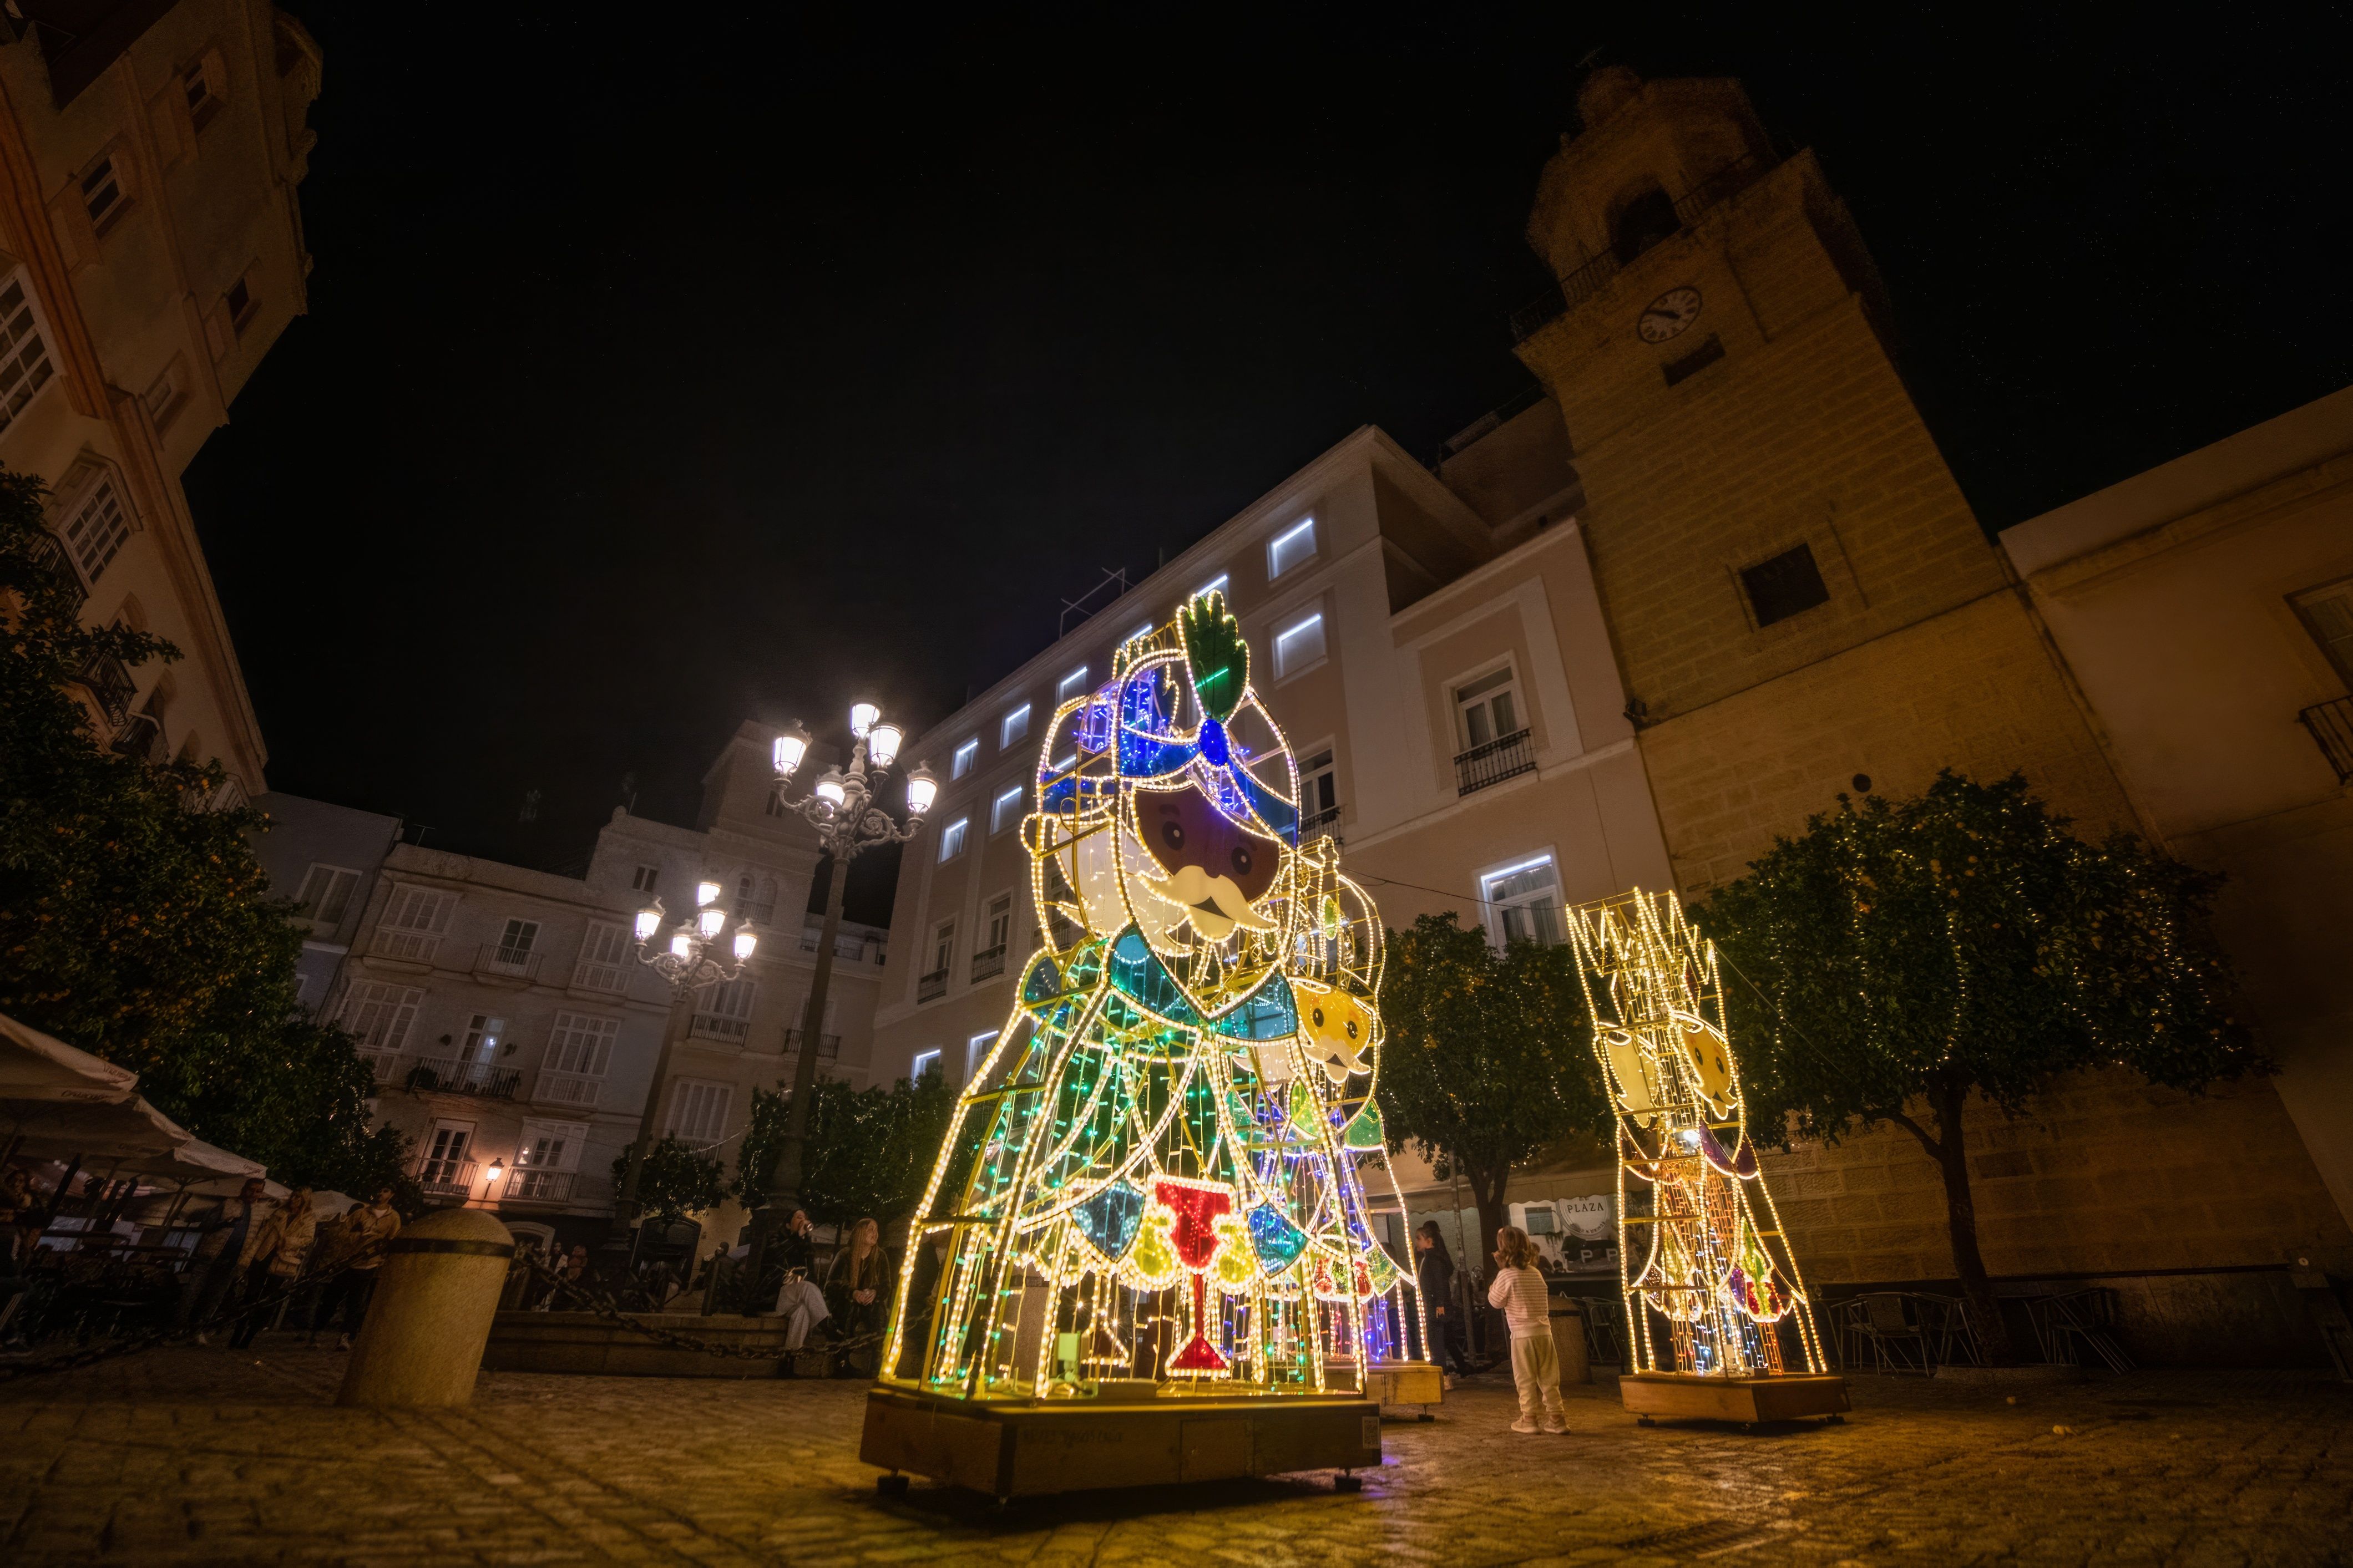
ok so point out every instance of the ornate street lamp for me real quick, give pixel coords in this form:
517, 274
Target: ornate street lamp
687, 964
841, 805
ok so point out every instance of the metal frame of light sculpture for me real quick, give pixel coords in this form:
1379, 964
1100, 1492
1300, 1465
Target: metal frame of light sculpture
1168, 1167
1720, 1280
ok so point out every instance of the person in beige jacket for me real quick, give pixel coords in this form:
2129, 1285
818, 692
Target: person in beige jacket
360, 1239
273, 1256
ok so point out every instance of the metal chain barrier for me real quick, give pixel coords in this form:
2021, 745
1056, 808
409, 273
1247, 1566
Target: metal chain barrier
600, 1303
147, 1339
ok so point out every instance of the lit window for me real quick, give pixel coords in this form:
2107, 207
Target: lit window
1071, 684
98, 529
965, 756
952, 837
1016, 725
1216, 585
925, 1061
976, 1050
1525, 901
101, 193
1006, 810
1299, 645
23, 354
1288, 548
1144, 630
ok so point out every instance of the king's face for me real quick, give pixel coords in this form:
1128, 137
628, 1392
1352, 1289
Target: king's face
1212, 868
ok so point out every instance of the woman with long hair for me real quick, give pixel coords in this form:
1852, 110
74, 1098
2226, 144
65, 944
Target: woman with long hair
1433, 1273
858, 1287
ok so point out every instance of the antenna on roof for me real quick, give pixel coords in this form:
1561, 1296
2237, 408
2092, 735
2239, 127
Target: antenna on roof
1093, 599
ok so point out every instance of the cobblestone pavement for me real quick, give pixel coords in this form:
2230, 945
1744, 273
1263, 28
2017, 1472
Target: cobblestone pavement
186, 1456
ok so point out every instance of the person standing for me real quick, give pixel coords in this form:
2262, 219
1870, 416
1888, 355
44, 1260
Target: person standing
364, 1232
221, 1254
1519, 1290
858, 1285
275, 1256
1434, 1273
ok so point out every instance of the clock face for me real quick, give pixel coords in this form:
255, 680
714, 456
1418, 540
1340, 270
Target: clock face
1669, 314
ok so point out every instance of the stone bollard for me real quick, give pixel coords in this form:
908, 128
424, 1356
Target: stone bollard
435, 1296
1568, 1339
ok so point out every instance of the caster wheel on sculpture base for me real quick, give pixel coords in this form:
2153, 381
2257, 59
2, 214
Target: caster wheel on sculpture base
1644, 1421
1425, 1415
1345, 1482
892, 1485
1834, 1421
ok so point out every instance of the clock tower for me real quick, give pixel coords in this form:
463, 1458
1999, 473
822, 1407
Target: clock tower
1799, 595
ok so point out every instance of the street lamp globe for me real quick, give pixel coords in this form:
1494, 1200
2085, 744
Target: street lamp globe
745, 941
706, 894
649, 921
862, 716
922, 789
792, 745
681, 942
709, 920
498, 1169
882, 743
829, 789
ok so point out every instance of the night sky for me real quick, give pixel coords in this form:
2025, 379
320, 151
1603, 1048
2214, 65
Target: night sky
670, 367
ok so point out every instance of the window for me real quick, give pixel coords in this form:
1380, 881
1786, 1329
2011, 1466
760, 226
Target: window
1144, 630
773, 802
446, 1171
379, 1016
326, 893
925, 1061
965, 756
1216, 585
1000, 919
167, 395
643, 878
1318, 792
515, 943
485, 1033
1015, 725
203, 96
952, 837
604, 959
102, 193
1642, 223
1299, 645
1071, 685
412, 923
579, 1050
697, 1110
1288, 548
24, 354
975, 1051
2328, 614
241, 304
943, 947
1005, 810
1784, 585
1525, 901
546, 1157
1489, 708
98, 529
723, 1011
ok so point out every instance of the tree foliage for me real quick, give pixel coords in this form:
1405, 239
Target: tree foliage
134, 923
1489, 1058
1897, 958
869, 1150
675, 1180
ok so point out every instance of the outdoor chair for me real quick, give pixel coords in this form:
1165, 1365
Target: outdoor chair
1882, 1323
2068, 1324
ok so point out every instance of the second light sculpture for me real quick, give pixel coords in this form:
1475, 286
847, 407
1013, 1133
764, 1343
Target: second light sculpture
1717, 1320
1166, 1184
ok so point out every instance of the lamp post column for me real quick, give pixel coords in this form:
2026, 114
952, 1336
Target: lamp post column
618, 1240
784, 1193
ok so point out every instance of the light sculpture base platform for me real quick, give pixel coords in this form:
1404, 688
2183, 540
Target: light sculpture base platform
1688, 1396
1009, 1451
1405, 1383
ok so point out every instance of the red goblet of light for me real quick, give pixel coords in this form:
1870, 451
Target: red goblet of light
1197, 1206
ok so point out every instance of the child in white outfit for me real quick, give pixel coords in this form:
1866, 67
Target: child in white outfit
1519, 1290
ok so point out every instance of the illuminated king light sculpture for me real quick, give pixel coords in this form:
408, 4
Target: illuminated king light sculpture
1716, 1311
1166, 1187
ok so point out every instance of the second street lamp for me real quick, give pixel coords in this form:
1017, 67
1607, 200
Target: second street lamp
843, 808
688, 963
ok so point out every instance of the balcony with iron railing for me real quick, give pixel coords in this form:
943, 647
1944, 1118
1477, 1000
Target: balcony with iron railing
848, 945
577, 1089
51, 562
1506, 756
140, 735
1325, 821
445, 1178
1595, 275
496, 960
400, 946
989, 963
456, 1075
932, 986
760, 912
608, 978
829, 1047
529, 1185
723, 1027
110, 685
2331, 727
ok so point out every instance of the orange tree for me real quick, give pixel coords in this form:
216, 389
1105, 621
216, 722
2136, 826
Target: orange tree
1488, 1059
870, 1150
1896, 959
134, 923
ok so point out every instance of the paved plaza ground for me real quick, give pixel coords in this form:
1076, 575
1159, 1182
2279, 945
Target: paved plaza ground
192, 1456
